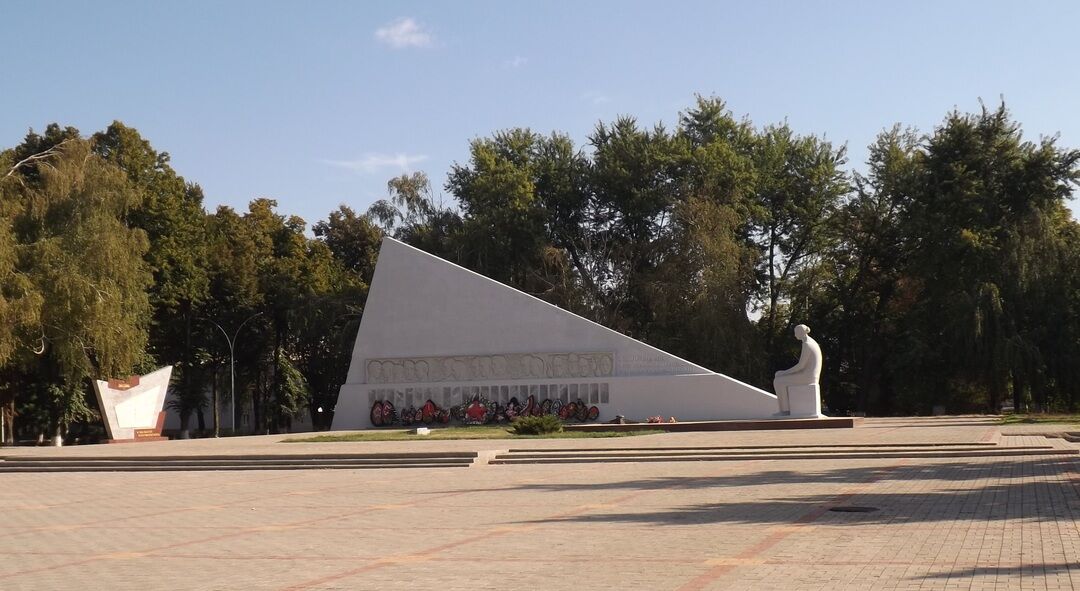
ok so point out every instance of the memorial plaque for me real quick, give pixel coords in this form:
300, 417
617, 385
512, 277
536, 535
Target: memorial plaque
129, 383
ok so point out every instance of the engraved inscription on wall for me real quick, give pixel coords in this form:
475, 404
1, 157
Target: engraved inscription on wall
463, 368
653, 364
449, 396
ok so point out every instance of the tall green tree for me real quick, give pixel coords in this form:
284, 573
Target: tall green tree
981, 209
800, 185
235, 309
327, 326
270, 264
950, 263
522, 198
859, 292
353, 239
171, 213
84, 264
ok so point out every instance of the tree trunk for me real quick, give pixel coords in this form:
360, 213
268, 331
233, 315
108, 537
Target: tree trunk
214, 396
186, 373
273, 419
258, 397
770, 337
281, 329
185, 424
1018, 393
9, 425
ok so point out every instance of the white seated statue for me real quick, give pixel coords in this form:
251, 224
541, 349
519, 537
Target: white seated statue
797, 388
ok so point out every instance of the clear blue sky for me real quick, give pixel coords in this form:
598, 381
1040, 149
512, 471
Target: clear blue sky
319, 103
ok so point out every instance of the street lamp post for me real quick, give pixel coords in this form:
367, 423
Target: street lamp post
232, 365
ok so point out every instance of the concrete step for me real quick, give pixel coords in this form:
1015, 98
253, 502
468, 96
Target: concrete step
463, 455
977, 444
10, 467
847, 455
766, 452
225, 462
259, 462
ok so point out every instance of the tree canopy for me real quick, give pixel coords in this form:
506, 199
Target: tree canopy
942, 271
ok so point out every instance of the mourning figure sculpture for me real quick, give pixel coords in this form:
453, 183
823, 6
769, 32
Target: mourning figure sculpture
803, 377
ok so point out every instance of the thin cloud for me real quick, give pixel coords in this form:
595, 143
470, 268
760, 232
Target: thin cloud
596, 98
516, 62
373, 163
403, 33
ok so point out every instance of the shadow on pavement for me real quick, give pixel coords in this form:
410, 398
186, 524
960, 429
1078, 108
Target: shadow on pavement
1027, 570
1040, 489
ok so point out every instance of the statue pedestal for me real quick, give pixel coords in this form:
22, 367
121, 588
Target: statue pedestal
805, 401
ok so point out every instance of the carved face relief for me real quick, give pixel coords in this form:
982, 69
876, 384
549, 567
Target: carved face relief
573, 365
374, 372
483, 368
499, 367
446, 369
396, 372
606, 365
460, 369
535, 366
586, 366
558, 366
422, 371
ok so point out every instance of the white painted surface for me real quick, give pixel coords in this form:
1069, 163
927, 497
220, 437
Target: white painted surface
135, 408
704, 397
422, 307
798, 378
805, 401
133, 412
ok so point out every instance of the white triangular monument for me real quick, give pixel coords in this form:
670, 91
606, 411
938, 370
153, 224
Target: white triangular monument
133, 408
433, 330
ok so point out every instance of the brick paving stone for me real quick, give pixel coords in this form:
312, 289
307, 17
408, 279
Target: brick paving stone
948, 523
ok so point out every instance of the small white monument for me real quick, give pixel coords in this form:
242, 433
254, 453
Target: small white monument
797, 388
132, 408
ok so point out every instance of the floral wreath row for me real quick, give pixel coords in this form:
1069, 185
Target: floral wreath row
480, 411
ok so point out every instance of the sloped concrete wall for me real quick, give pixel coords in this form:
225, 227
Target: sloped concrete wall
422, 306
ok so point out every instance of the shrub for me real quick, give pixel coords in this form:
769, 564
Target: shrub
540, 425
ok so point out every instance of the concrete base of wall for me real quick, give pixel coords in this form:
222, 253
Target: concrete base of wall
138, 440
764, 425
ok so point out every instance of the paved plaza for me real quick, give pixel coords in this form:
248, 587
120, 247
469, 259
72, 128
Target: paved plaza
988, 522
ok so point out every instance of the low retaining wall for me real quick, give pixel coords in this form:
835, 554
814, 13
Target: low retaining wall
763, 425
